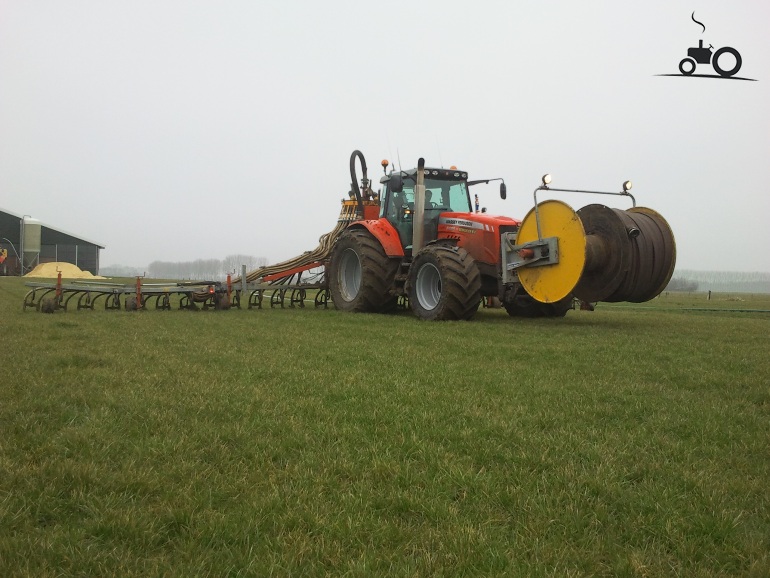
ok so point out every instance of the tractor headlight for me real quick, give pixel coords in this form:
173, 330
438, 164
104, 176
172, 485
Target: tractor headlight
627, 186
546, 179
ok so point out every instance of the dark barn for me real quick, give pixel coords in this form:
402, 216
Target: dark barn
49, 246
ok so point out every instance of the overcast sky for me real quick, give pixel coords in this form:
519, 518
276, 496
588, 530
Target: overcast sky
177, 130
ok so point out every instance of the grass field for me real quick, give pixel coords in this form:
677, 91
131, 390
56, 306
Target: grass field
628, 441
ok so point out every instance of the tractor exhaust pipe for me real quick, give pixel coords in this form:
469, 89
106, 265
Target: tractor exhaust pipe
418, 217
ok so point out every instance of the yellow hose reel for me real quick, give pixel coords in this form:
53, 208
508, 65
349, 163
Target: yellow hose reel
596, 254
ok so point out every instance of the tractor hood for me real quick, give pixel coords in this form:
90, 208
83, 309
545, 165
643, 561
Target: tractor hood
483, 221
477, 233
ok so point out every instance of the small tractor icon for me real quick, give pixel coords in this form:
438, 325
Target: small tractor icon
703, 55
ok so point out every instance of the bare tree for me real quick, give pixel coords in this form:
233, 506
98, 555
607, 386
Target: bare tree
233, 263
204, 269
680, 284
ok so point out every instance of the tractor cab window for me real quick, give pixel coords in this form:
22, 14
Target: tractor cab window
439, 195
399, 202
447, 196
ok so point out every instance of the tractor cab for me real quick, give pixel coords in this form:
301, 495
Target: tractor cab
446, 190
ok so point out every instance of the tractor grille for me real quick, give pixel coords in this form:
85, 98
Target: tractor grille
509, 229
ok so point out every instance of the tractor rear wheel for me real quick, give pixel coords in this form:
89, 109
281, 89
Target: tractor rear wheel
721, 71
444, 284
361, 275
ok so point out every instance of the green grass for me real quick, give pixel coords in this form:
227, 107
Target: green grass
628, 441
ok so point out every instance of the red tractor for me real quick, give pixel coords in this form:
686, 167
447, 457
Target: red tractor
419, 238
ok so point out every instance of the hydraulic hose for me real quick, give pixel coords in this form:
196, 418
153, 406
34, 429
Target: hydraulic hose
354, 182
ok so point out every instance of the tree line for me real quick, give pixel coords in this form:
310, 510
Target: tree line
200, 269
679, 284
217, 269
720, 281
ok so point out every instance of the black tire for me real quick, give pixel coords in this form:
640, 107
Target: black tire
444, 284
361, 275
557, 309
523, 305
688, 71
726, 50
221, 301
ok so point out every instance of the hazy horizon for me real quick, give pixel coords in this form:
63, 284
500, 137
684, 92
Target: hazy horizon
190, 129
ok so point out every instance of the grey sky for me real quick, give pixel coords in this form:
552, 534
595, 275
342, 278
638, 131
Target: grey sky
176, 130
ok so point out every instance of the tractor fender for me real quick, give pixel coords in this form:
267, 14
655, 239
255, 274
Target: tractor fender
448, 242
385, 233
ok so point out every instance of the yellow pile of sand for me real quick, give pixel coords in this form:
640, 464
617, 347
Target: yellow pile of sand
68, 271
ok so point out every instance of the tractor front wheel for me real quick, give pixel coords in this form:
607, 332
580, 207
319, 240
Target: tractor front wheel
687, 66
444, 284
361, 275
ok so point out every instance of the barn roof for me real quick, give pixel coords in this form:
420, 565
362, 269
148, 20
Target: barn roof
55, 230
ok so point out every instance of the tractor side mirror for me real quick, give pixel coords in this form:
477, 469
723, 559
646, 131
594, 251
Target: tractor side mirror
396, 183
503, 191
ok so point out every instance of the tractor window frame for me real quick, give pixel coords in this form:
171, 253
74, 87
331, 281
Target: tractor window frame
446, 195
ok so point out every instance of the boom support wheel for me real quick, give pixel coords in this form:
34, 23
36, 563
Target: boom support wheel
444, 284
524, 305
361, 276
